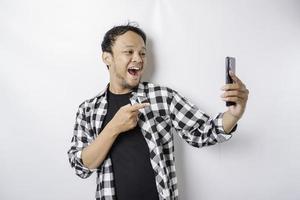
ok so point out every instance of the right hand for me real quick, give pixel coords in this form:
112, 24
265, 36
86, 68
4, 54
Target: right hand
126, 117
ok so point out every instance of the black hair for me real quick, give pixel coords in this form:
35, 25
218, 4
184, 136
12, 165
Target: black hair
111, 35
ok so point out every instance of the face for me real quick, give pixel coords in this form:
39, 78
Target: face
126, 63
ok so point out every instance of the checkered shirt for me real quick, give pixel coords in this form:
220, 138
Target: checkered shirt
169, 113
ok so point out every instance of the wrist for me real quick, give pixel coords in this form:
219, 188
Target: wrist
233, 116
112, 129
229, 121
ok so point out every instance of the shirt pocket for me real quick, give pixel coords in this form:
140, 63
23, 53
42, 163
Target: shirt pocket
163, 127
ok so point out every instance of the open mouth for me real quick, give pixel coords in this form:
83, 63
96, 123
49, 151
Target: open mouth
134, 71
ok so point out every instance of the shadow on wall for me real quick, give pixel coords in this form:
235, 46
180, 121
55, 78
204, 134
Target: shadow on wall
179, 165
151, 62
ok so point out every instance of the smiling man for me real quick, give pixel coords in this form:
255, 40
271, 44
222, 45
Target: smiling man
125, 133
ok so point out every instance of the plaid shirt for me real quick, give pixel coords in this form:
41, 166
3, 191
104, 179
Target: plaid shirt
168, 113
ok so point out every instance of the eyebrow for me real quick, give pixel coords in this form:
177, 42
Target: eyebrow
126, 46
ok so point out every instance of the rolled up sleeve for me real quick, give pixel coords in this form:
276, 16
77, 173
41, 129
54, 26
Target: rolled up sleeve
81, 138
193, 125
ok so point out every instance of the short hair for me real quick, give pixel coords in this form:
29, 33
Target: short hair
111, 35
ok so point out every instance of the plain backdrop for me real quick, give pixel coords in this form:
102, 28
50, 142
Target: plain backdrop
50, 62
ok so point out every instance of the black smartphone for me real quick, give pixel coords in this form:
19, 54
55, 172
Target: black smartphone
229, 65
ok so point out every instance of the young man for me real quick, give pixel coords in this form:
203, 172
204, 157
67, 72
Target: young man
125, 133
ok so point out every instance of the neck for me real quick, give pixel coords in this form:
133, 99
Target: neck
118, 89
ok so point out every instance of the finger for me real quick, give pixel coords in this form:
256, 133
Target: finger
231, 93
234, 86
230, 86
134, 115
138, 106
241, 97
237, 100
127, 105
236, 79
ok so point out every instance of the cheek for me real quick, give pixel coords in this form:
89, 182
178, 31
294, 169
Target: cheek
122, 61
121, 66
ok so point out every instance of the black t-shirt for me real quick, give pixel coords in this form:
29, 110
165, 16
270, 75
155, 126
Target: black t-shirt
133, 173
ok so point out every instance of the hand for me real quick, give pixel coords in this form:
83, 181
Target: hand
127, 117
238, 93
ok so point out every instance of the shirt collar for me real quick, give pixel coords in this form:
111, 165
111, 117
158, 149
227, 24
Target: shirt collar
137, 91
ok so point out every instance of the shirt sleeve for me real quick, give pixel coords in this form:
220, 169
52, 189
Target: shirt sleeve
81, 138
195, 126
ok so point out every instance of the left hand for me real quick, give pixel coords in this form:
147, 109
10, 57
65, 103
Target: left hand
238, 93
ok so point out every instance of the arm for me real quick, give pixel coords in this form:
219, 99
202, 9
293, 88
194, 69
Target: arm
125, 119
86, 154
229, 122
193, 125
94, 154
83, 143
197, 128
82, 137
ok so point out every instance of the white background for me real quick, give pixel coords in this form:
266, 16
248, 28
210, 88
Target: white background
50, 63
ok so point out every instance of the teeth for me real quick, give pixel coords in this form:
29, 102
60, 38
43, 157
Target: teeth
136, 68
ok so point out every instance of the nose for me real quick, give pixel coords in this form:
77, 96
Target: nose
137, 58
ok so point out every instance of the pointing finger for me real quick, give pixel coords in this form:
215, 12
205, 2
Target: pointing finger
138, 106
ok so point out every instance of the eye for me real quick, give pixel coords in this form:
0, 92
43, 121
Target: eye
128, 52
143, 54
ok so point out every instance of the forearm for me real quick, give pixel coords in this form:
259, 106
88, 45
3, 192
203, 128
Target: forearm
229, 121
94, 154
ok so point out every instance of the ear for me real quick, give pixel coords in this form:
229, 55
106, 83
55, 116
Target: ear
107, 58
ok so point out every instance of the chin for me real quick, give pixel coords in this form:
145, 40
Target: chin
131, 84
135, 84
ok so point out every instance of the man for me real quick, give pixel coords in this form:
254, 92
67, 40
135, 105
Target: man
125, 133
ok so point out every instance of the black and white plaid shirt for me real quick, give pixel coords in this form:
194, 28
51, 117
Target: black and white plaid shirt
168, 113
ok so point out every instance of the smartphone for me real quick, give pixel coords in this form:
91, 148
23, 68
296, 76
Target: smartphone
229, 65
